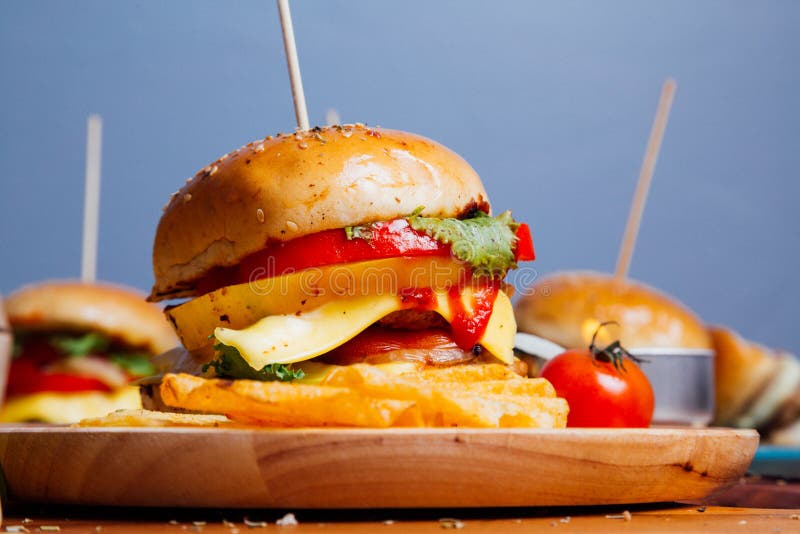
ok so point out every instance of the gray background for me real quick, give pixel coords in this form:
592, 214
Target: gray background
551, 102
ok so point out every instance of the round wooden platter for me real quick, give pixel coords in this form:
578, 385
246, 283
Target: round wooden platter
364, 468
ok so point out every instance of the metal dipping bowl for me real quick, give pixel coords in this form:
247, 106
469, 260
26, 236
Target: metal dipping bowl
683, 383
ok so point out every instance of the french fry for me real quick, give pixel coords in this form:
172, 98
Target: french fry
469, 373
281, 403
364, 395
150, 418
515, 401
501, 411
526, 387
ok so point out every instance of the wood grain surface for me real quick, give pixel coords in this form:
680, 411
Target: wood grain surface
664, 518
356, 468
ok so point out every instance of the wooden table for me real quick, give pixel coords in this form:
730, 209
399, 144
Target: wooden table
778, 511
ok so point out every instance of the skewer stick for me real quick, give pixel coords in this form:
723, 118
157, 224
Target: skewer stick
645, 177
298, 95
91, 201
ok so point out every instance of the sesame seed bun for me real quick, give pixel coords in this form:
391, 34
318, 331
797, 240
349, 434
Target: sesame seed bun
285, 187
566, 307
116, 311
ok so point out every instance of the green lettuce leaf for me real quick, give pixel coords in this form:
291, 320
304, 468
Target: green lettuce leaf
91, 342
230, 364
485, 242
136, 363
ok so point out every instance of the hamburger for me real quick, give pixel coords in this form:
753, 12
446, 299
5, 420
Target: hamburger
76, 349
335, 246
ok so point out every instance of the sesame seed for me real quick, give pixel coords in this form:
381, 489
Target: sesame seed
260, 215
297, 136
347, 133
259, 147
211, 171
291, 225
268, 138
359, 125
189, 180
187, 197
303, 146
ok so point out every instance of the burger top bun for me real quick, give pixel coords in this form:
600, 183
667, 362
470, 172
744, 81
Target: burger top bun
292, 185
116, 311
567, 307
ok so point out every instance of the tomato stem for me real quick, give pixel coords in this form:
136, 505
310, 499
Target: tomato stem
613, 353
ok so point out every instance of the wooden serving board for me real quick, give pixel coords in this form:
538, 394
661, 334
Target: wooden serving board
358, 468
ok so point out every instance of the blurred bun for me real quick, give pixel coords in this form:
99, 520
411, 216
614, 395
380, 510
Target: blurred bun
757, 387
742, 370
289, 186
119, 312
5, 349
566, 308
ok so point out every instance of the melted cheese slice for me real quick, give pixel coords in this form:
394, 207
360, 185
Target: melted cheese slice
296, 338
64, 408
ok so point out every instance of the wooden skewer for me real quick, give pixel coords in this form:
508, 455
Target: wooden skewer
645, 177
91, 202
300, 111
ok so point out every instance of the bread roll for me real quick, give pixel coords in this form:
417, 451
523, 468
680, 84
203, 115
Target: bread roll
566, 308
288, 186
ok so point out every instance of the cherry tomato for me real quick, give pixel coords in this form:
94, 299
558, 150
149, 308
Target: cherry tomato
598, 393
